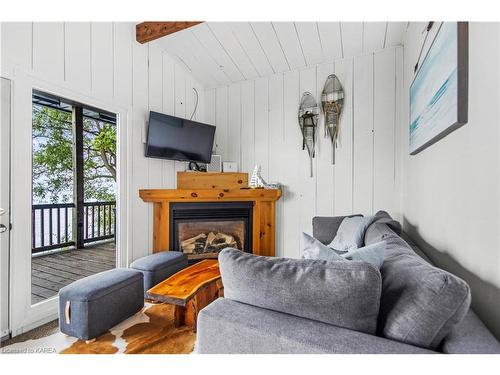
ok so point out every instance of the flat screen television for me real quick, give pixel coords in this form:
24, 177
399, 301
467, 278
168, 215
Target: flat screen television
175, 138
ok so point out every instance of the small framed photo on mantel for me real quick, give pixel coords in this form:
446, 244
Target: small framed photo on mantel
439, 91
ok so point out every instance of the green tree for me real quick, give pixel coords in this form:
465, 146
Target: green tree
53, 159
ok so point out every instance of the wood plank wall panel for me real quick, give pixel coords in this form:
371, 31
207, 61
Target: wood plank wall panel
155, 103
374, 36
270, 136
141, 241
234, 124
344, 152
221, 115
352, 38
363, 135
78, 54
262, 125
168, 106
247, 125
48, 51
223, 32
310, 41
20, 47
277, 159
180, 86
245, 35
384, 193
307, 186
271, 46
400, 134
103, 61
289, 40
325, 170
331, 39
122, 62
290, 179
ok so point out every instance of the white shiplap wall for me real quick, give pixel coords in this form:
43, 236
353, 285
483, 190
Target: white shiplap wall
103, 61
257, 124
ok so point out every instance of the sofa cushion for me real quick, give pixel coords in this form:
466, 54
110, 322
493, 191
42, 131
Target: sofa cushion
420, 303
227, 327
346, 294
351, 233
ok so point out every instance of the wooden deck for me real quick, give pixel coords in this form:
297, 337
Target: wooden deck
49, 273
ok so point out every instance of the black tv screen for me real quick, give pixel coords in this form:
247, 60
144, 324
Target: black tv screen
175, 138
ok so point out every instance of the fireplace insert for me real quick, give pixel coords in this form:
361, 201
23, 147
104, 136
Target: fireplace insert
202, 229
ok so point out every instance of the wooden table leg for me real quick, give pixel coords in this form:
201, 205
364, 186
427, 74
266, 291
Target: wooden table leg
194, 303
179, 316
188, 314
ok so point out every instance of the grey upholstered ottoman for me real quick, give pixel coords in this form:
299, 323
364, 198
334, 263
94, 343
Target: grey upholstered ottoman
157, 267
90, 306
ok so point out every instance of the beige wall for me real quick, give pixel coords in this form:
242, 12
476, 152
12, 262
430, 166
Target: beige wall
450, 200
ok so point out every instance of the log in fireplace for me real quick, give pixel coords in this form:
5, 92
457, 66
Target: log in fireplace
202, 229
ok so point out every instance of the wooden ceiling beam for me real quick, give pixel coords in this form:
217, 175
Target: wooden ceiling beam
148, 31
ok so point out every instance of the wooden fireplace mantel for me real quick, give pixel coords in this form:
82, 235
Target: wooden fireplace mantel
264, 212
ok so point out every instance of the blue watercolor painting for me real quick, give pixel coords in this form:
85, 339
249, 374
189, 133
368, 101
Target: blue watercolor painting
434, 92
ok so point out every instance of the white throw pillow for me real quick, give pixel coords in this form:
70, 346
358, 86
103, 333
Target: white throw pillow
351, 233
314, 249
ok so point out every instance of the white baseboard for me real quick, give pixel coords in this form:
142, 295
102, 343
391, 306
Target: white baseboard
4, 335
34, 325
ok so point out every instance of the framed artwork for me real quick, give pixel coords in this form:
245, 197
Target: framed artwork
439, 91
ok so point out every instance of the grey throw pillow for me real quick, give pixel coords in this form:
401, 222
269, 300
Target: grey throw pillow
373, 254
351, 233
314, 249
345, 294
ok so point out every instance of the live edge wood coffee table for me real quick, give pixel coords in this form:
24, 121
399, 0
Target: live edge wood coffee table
190, 290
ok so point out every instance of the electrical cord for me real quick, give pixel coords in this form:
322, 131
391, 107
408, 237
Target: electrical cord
196, 105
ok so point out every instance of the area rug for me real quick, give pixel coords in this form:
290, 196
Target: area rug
150, 331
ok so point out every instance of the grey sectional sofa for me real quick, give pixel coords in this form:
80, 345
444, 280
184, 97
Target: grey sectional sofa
260, 322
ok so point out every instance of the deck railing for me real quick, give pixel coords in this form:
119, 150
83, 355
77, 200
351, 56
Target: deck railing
99, 221
52, 224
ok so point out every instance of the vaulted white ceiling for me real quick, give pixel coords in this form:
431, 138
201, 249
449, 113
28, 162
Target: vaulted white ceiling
220, 53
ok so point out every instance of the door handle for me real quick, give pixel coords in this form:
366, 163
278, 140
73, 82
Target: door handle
3, 228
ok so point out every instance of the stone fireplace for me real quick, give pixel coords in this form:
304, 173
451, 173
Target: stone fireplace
202, 229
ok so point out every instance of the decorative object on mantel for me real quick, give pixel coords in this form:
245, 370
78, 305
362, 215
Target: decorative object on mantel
308, 120
332, 100
439, 92
256, 181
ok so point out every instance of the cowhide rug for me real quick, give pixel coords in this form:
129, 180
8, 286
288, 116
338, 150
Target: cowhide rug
150, 331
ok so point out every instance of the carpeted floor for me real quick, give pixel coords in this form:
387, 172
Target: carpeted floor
151, 331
